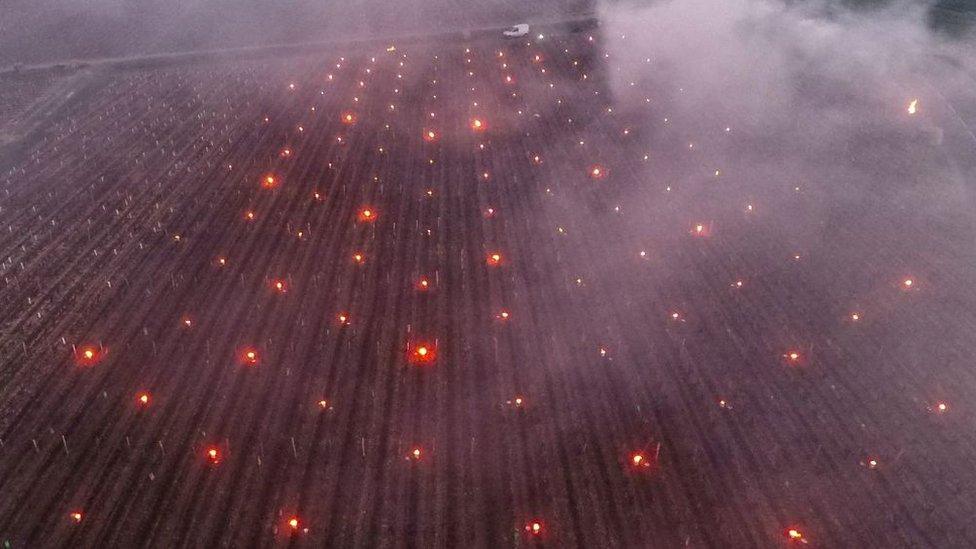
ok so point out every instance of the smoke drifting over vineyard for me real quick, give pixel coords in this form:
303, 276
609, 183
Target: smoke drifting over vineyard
495, 274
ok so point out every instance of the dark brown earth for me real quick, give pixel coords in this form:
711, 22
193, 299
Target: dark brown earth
138, 225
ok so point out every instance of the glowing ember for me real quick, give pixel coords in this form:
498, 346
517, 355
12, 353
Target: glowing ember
269, 182
430, 136
415, 453
794, 534
494, 259
913, 106
343, 319
534, 527
641, 460
423, 284
366, 215
142, 398
421, 353
76, 516
358, 258
249, 357
701, 229
908, 283
279, 286
293, 523
348, 118
503, 315
597, 172
477, 124
942, 407
88, 355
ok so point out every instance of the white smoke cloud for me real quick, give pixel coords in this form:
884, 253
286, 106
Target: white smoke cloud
816, 91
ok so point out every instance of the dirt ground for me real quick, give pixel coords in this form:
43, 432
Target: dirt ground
468, 294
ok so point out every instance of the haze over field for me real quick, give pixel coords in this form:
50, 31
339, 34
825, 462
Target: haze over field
60, 30
688, 273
